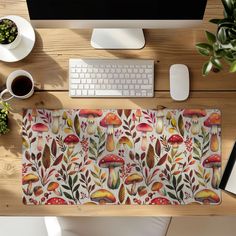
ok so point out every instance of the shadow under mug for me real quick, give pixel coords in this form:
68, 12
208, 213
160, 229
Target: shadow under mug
10, 79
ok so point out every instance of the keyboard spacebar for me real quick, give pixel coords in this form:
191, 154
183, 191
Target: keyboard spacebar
108, 93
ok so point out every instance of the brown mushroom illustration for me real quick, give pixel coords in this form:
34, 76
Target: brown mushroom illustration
90, 114
195, 114
53, 186
138, 114
110, 121
160, 121
34, 113
55, 121
111, 161
38, 190
40, 128
175, 140
213, 121
207, 196
30, 179
214, 162
142, 190
160, 201
125, 142
144, 128
71, 140
133, 179
56, 201
156, 187
103, 196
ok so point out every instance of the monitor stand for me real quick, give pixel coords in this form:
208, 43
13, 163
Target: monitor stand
118, 39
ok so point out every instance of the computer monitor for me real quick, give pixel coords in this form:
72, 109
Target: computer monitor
116, 24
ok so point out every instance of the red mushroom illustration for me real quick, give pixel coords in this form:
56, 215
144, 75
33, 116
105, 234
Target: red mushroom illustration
144, 128
110, 121
160, 201
90, 115
40, 128
175, 140
111, 162
56, 201
133, 179
103, 196
71, 140
213, 121
207, 196
195, 114
160, 121
214, 162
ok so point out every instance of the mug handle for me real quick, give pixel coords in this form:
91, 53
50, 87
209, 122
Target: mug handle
2, 95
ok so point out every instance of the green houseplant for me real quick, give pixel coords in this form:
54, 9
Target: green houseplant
4, 111
221, 46
9, 34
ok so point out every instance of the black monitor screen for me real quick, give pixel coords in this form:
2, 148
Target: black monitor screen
116, 9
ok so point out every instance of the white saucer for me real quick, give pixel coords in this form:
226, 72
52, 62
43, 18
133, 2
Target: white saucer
26, 44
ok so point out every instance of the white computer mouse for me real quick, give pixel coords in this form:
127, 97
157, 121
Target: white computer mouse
179, 82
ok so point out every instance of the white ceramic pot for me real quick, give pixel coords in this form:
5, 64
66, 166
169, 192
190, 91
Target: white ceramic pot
17, 40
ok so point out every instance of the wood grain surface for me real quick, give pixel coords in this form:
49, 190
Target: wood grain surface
48, 64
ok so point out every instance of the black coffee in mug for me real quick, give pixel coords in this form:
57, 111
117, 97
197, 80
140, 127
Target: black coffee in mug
21, 85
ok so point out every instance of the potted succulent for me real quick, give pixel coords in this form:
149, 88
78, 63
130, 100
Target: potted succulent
221, 46
4, 111
9, 33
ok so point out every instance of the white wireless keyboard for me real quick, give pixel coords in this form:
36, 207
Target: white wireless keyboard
111, 78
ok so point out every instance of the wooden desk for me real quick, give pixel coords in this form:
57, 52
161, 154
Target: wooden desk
48, 63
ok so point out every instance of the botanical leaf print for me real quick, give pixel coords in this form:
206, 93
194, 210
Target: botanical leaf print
93, 156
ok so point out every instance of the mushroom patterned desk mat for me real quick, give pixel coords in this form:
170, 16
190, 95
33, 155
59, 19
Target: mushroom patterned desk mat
159, 157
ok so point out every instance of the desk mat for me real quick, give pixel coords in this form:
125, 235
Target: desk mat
82, 156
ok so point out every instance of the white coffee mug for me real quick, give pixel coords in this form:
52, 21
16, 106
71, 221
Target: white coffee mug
10, 79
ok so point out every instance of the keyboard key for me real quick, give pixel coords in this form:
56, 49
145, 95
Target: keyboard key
74, 86
146, 86
78, 92
91, 92
84, 92
74, 75
72, 92
126, 92
108, 93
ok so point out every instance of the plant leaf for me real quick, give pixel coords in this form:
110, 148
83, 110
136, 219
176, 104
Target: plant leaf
216, 62
162, 160
158, 147
54, 147
150, 156
67, 195
207, 68
77, 125
233, 67
211, 37
127, 112
204, 46
46, 157
58, 160
181, 125
172, 195
121, 193
228, 6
